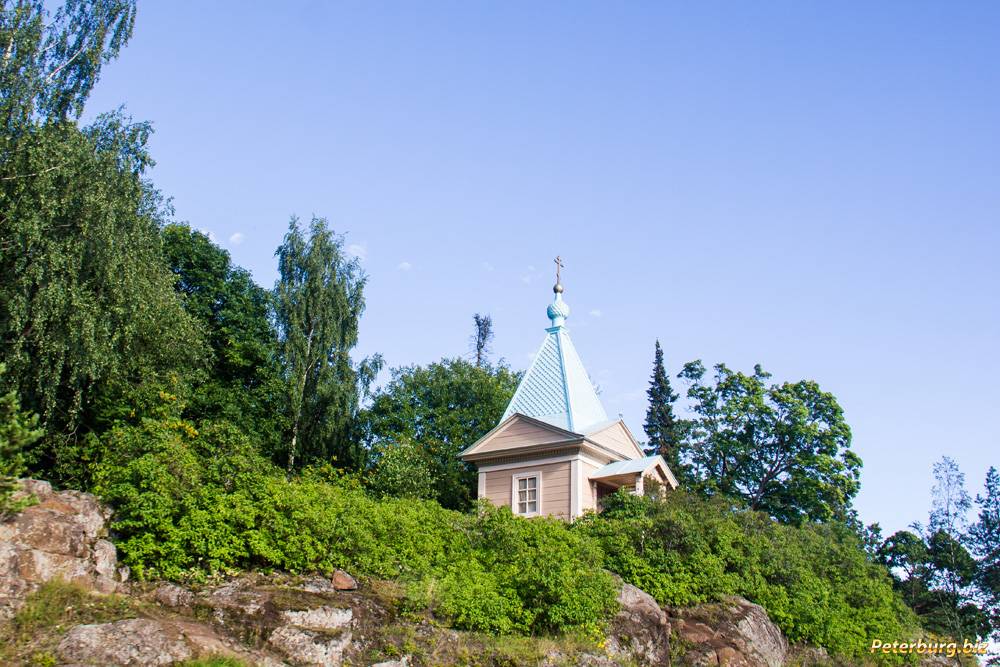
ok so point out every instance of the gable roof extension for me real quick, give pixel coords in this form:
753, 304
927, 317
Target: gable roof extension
539, 434
615, 435
635, 466
556, 389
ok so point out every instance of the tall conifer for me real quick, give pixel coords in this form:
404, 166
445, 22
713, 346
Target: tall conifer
662, 427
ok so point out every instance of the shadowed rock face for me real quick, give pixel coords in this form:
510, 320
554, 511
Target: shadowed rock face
305, 623
735, 632
60, 537
641, 629
144, 641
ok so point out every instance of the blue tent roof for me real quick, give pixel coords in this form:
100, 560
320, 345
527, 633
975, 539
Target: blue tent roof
556, 389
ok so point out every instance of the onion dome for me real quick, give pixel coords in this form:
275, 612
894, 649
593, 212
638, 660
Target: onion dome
558, 310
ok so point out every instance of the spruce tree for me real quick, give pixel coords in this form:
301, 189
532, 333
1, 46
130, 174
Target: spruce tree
17, 431
662, 427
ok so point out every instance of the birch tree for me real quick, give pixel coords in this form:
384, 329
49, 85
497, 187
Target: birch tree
319, 297
51, 60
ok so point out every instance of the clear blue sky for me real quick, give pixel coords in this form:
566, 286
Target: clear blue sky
809, 186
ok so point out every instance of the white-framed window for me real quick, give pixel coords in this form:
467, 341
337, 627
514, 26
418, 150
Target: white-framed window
526, 494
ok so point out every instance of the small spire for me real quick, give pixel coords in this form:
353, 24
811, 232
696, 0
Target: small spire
558, 310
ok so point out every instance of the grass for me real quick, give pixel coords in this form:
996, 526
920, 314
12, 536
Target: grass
428, 643
214, 661
30, 638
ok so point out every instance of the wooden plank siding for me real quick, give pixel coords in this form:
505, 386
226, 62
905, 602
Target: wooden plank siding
555, 482
519, 433
588, 489
616, 437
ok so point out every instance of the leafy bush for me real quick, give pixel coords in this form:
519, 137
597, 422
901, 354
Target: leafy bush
402, 469
815, 581
191, 501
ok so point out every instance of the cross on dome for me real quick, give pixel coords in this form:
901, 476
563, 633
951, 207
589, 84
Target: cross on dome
558, 310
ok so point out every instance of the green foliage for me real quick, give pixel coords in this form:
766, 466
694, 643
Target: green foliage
87, 307
319, 298
933, 569
17, 431
191, 501
244, 383
85, 302
182, 494
815, 581
664, 430
781, 449
214, 661
985, 538
443, 407
51, 63
401, 470
934, 575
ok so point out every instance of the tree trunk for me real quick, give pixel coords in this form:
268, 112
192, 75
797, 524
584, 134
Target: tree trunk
300, 390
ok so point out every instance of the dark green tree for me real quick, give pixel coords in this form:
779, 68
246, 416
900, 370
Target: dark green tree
87, 305
17, 431
933, 574
664, 430
318, 300
243, 384
933, 568
442, 408
783, 449
87, 309
985, 539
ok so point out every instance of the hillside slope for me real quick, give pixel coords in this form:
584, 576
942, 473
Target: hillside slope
65, 601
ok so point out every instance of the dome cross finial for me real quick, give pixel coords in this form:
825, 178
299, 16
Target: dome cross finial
558, 311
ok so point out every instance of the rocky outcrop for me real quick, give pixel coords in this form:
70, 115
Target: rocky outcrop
640, 630
736, 633
59, 537
143, 641
307, 622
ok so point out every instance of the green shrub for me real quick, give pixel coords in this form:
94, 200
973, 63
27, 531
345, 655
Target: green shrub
183, 496
214, 661
194, 501
815, 581
402, 469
